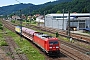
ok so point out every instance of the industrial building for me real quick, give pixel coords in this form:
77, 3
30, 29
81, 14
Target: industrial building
78, 21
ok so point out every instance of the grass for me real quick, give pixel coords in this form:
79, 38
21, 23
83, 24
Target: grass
3, 43
88, 32
87, 46
54, 35
26, 48
24, 23
2, 40
65, 39
9, 54
22, 50
60, 37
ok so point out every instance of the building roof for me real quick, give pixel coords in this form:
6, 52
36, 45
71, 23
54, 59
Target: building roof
40, 19
71, 14
83, 18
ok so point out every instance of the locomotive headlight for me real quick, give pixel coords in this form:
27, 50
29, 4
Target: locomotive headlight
50, 47
57, 47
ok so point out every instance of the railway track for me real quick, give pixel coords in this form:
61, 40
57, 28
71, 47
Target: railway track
12, 44
47, 57
67, 52
75, 36
74, 54
8, 25
78, 48
79, 37
12, 47
3, 55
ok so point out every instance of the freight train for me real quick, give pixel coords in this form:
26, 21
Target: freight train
48, 43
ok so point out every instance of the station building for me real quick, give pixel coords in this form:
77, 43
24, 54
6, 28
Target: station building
78, 21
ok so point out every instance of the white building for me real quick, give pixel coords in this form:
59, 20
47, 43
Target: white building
15, 17
40, 19
77, 20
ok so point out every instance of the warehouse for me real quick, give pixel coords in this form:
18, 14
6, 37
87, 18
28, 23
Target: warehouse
78, 21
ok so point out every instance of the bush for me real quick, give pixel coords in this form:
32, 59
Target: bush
1, 24
3, 43
1, 27
13, 21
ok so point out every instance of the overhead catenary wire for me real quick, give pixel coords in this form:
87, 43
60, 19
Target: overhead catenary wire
17, 1
5, 11
20, 21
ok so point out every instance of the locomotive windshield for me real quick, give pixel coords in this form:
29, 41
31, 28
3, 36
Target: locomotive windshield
53, 42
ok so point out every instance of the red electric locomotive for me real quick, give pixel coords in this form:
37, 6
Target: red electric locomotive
48, 43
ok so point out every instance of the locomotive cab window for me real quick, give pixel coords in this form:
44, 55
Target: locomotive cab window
53, 42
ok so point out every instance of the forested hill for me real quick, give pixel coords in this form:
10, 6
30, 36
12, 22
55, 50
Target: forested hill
27, 8
5, 10
79, 6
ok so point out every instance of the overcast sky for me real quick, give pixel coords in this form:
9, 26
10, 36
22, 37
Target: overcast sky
12, 2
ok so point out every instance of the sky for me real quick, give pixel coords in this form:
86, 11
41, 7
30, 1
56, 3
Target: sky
12, 2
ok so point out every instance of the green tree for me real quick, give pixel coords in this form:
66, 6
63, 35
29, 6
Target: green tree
58, 11
34, 18
57, 34
1, 26
84, 10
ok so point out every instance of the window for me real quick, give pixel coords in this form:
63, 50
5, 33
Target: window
81, 25
59, 16
53, 42
81, 20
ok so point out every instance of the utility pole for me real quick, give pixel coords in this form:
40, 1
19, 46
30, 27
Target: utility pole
3, 30
68, 23
44, 18
21, 25
63, 21
20, 21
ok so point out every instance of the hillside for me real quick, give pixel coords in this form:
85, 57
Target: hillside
13, 8
26, 8
79, 6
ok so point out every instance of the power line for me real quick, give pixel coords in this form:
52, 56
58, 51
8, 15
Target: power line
17, 1
20, 21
